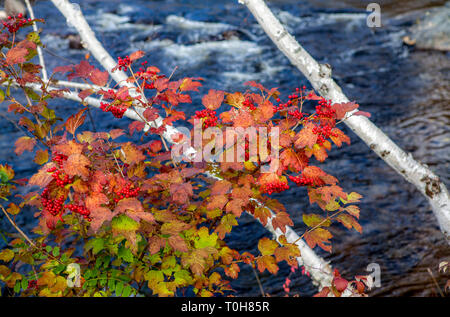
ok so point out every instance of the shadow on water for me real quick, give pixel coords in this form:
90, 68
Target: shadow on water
406, 90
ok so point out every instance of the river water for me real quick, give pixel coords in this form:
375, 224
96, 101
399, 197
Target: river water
406, 90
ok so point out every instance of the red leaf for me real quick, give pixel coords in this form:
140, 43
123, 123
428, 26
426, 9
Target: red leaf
136, 126
340, 283
362, 113
155, 146
181, 192
98, 77
213, 99
189, 85
16, 55
74, 121
63, 69
343, 108
82, 70
256, 85
151, 114
115, 133
323, 293
85, 93
136, 55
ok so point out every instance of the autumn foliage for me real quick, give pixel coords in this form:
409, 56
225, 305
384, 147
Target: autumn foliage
137, 222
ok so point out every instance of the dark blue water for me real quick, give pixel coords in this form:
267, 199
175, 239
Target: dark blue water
406, 91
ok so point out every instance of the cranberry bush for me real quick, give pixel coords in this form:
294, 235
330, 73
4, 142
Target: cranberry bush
133, 219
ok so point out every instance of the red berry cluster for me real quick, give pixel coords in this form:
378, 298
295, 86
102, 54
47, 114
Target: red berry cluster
123, 63
324, 109
292, 98
296, 114
117, 111
148, 75
209, 117
59, 158
323, 132
302, 181
60, 181
53, 206
32, 284
82, 210
13, 24
127, 192
60, 177
249, 104
274, 187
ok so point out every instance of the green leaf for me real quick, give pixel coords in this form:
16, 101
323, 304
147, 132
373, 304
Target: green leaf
34, 37
55, 251
126, 254
267, 246
6, 255
124, 223
119, 289
96, 244
127, 291
111, 285
205, 239
313, 220
24, 284
17, 286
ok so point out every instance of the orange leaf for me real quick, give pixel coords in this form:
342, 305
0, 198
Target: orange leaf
41, 157
305, 137
282, 220
23, 144
76, 164
213, 99
178, 243
267, 262
132, 155
267, 246
136, 55
349, 222
132, 204
341, 137
217, 201
235, 206
220, 187
319, 237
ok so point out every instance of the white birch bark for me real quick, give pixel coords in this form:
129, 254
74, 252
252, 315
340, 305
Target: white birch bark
319, 75
319, 269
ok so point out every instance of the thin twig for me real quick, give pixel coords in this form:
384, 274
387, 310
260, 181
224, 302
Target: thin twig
261, 289
435, 282
18, 229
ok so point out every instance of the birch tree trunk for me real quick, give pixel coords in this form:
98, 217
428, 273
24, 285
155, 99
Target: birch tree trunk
319, 75
319, 269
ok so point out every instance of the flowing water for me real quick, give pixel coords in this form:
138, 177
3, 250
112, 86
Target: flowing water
405, 90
